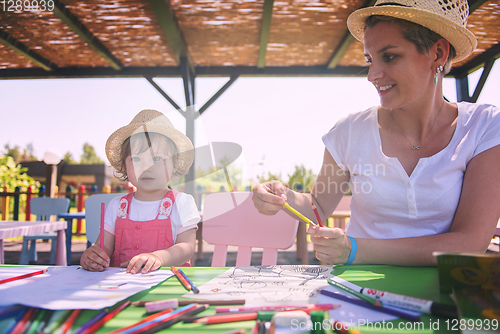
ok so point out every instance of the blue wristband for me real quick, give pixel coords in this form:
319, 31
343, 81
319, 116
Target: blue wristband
354, 249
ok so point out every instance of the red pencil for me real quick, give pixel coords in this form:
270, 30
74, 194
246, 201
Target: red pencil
7, 280
23, 322
226, 318
181, 278
71, 319
107, 317
101, 241
318, 218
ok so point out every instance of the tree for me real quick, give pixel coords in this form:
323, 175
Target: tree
89, 156
301, 176
17, 155
68, 158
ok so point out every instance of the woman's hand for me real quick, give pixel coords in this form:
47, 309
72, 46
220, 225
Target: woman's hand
332, 246
150, 262
94, 259
269, 197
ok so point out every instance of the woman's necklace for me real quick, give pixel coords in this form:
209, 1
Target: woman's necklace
417, 147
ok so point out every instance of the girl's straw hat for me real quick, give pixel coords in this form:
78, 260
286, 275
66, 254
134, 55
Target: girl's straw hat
151, 121
448, 18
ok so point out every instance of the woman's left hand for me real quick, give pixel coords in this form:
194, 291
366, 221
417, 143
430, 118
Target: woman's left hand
150, 262
332, 245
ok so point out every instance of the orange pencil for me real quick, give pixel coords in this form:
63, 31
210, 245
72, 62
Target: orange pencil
227, 318
316, 213
181, 278
23, 276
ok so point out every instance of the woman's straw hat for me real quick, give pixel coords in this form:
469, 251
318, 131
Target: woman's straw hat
447, 18
151, 121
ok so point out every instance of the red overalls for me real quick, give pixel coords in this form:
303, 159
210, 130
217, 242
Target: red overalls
136, 237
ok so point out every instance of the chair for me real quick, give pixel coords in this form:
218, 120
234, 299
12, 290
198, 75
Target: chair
231, 219
93, 214
43, 207
342, 212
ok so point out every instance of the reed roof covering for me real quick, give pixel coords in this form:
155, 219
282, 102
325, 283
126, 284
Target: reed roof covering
104, 38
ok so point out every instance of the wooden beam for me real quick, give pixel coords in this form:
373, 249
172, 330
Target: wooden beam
345, 42
172, 30
475, 4
26, 52
482, 80
228, 84
264, 32
81, 30
174, 72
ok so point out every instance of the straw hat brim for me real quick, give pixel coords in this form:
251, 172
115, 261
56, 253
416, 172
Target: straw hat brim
462, 39
184, 146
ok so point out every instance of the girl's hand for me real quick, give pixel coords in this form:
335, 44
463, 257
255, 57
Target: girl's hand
94, 259
150, 262
332, 246
269, 197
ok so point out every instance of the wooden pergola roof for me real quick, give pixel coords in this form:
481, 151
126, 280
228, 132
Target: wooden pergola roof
137, 38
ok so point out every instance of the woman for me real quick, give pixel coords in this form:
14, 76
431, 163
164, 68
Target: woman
423, 172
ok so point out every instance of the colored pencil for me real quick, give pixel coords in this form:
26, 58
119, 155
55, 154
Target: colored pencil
10, 311
36, 322
193, 287
354, 292
185, 302
70, 321
236, 331
139, 327
22, 323
166, 324
11, 279
101, 241
272, 308
362, 303
255, 328
181, 278
107, 317
44, 321
316, 213
227, 318
19, 317
147, 319
298, 214
162, 305
55, 320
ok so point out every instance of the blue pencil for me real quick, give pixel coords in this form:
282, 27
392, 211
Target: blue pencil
193, 287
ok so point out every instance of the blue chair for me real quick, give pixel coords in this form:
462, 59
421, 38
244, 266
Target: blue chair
93, 214
43, 208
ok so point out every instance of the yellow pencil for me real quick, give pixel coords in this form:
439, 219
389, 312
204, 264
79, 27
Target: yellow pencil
298, 214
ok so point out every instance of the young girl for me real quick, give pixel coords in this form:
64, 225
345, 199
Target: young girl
154, 226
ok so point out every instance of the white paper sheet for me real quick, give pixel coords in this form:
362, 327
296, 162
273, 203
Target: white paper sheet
267, 285
63, 288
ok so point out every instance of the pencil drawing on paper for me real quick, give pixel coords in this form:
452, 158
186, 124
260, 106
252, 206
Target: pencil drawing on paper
268, 284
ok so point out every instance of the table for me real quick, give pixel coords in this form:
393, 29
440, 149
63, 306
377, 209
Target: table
413, 281
11, 229
69, 231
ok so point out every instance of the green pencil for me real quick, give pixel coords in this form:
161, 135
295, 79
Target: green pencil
354, 292
34, 325
56, 320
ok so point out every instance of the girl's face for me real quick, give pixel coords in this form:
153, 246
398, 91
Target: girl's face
401, 74
151, 168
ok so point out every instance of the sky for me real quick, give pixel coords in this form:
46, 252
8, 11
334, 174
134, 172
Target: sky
278, 122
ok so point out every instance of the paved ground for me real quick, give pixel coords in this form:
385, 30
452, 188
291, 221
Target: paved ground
13, 248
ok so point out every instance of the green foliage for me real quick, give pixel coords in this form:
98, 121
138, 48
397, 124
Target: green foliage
15, 152
68, 158
89, 156
270, 177
302, 176
214, 180
13, 175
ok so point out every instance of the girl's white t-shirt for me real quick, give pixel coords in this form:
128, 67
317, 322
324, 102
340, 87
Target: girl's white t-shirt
386, 202
183, 217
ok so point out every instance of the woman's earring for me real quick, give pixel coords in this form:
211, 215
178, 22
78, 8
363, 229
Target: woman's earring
439, 69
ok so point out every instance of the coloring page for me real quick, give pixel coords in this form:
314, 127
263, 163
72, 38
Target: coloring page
64, 288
